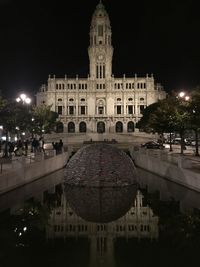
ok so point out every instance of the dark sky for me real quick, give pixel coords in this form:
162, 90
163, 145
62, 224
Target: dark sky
51, 37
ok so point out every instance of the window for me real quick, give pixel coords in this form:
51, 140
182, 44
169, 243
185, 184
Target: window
59, 99
71, 99
60, 110
130, 99
100, 109
141, 99
71, 110
119, 110
119, 99
82, 110
82, 99
130, 109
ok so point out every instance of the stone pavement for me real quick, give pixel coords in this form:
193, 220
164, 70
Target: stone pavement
187, 161
16, 162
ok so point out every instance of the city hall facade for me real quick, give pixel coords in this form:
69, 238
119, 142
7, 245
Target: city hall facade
100, 102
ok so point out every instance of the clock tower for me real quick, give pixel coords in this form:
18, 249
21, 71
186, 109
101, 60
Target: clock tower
100, 49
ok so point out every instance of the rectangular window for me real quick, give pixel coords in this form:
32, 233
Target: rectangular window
119, 109
82, 110
71, 110
130, 109
60, 110
97, 72
104, 71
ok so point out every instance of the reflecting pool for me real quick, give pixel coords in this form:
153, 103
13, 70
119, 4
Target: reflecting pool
40, 227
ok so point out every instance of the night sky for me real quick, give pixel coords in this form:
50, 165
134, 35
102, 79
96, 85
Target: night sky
39, 38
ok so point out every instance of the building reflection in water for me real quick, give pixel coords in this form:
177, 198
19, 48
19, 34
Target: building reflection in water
139, 222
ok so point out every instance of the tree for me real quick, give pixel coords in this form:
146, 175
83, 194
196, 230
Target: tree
163, 118
44, 120
12, 115
194, 111
143, 122
167, 115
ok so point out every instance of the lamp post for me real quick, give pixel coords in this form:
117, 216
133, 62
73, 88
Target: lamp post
24, 99
184, 103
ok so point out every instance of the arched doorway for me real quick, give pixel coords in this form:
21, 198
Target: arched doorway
82, 127
59, 127
71, 127
130, 127
100, 127
119, 127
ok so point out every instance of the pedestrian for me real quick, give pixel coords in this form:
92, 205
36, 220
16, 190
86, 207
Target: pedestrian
35, 145
41, 144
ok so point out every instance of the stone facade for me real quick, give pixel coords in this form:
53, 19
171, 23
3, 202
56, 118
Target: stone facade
100, 103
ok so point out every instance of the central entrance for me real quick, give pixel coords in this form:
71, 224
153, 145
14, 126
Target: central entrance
100, 127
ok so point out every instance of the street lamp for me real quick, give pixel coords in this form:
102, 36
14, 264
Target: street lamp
184, 101
24, 99
183, 96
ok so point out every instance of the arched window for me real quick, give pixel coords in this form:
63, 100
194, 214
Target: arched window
59, 127
82, 127
100, 127
130, 99
71, 99
130, 127
141, 99
119, 99
59, 99
71, 127
119, 127
82, 99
